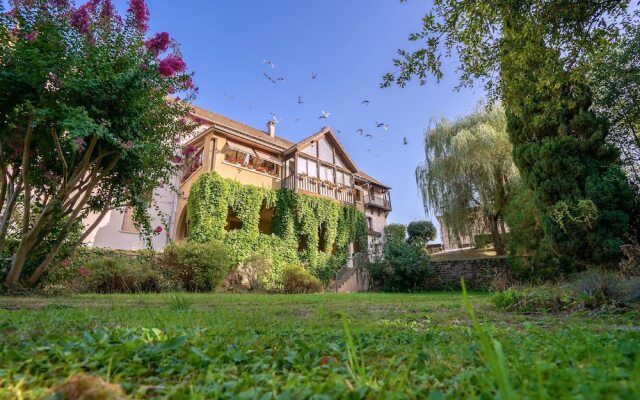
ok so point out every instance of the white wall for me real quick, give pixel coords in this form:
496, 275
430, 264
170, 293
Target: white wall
379, 221
109, 232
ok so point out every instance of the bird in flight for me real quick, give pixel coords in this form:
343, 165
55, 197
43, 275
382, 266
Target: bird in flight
314, 75
368, 135
382, 125
405, 141
274, 117
300, 101
269, 77
229, 97
280, 78
338, 131
360, 131
269, 62
324, 115
365, 102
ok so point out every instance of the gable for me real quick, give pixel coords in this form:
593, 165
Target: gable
325, 146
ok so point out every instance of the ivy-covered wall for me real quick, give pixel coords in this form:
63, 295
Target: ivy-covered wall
296, 218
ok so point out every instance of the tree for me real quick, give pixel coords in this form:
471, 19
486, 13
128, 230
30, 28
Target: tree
534, 55
85, 122
404, 265
615, 80
468, 168
421, 232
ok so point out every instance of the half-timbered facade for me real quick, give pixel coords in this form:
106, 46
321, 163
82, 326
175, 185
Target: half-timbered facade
318, 166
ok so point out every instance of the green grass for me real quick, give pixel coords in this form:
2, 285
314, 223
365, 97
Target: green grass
464, 254
328, 345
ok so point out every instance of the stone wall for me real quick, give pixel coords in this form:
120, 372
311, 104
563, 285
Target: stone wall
479, 274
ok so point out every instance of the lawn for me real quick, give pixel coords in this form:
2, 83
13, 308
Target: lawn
296, 346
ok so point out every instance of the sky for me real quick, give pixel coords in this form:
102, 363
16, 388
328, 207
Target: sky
349, 44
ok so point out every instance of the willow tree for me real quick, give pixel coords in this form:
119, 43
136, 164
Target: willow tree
85, 122
534, 56
468, 171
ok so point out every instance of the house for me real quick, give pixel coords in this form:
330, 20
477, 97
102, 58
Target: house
318, 166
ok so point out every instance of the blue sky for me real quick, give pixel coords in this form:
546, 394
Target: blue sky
349, 44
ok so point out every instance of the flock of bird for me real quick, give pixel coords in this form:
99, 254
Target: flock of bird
324, 115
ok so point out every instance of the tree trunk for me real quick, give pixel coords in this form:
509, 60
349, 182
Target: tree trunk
497, 239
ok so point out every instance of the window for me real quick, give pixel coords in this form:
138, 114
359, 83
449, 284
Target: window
235, 156
326, 174
308, 167
343, 178
127, 221
325, 151
370, 223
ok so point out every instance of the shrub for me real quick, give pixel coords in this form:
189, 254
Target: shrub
199, 267
632, 290
542, 299
120, 275
250, 274
598, 288
404, 266
296, 279
507, 299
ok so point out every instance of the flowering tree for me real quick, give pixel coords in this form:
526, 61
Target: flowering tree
86, 124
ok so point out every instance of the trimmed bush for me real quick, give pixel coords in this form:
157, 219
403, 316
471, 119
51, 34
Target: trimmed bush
296, 279
120, 275
198, 267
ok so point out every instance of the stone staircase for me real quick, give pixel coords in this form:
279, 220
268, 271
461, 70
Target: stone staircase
350, 280
344, 280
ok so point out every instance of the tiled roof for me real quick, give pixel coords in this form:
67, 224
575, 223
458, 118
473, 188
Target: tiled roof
362, 175
238, 126
283, 144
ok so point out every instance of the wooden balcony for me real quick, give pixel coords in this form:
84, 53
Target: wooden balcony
380, 201
309, 185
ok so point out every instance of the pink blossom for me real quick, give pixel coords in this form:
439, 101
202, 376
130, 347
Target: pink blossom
140, 13
171, 65
80, 20
128, 145
107, 10
84, 271
158, 44
171, 90
158, 229
30, 37
66, 262
189, 150
176, 63
165, 69
143, 67
189, 83
177, 160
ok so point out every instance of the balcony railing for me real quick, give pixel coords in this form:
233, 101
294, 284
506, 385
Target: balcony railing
378, 201
311, 185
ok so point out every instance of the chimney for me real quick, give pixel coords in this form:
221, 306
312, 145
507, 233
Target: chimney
271, 128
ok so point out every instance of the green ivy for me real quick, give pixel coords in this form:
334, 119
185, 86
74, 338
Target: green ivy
296, 217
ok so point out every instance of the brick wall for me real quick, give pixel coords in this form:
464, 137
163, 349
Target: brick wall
478, 274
